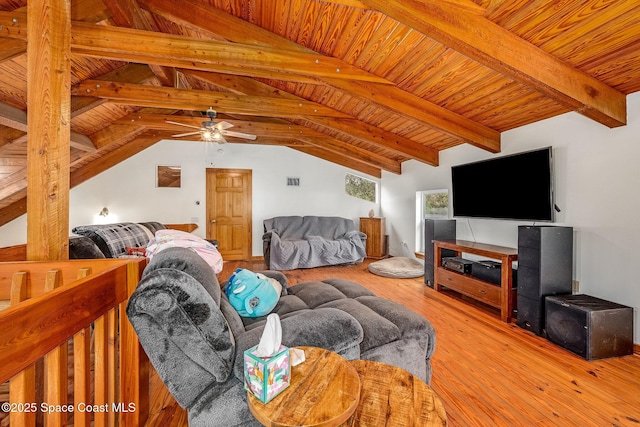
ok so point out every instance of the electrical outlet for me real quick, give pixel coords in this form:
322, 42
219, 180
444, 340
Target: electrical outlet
404, 243
575, 287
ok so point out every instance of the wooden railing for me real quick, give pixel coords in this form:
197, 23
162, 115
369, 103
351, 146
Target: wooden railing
56, 305
13, 253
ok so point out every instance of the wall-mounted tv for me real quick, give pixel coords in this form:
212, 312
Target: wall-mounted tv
518, 187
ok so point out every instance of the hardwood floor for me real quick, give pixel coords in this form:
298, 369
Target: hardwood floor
487, 373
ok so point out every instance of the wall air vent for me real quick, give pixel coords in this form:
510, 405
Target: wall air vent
295, 182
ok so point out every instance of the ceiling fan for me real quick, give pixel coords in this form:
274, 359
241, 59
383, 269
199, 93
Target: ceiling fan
212, 131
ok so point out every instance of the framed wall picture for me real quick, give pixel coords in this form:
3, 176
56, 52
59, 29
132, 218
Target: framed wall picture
168, 176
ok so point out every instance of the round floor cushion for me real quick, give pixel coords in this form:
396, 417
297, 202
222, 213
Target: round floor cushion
397, 267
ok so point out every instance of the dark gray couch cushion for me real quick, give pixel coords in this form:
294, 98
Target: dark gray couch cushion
348, 288
316, 293
377, 329
82, 247
187, 260
409, 323
153, 226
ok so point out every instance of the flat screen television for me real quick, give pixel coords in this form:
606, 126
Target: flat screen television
517, 187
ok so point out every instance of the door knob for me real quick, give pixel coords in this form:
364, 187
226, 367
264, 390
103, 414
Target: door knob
213, 220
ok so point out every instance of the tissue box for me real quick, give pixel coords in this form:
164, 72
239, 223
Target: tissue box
266, 377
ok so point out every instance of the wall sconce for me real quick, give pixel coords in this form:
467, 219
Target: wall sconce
104, 212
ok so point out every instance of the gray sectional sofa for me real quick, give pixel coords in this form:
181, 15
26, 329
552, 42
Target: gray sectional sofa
291, 242
195, 339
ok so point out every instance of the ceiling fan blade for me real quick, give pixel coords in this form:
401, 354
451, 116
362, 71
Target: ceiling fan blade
182, 124
238, 134
185, 134
223, 125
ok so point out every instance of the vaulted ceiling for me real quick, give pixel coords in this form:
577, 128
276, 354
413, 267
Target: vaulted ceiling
367, 84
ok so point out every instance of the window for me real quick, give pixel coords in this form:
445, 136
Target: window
360, 187
432, 204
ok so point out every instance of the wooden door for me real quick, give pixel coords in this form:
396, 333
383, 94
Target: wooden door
229, 211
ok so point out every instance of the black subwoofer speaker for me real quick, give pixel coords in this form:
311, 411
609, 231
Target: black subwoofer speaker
436, 229
590, 327
545, 264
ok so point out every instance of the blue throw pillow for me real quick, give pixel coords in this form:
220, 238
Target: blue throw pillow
252, 294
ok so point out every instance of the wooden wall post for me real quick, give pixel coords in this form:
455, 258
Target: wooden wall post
48, 124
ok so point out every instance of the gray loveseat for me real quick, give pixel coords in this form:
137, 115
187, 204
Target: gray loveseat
291, 242
196, 340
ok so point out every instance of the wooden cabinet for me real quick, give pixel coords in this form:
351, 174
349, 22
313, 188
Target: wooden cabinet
502, 296
374, 228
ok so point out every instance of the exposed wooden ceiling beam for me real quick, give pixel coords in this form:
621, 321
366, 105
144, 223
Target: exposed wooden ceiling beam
88, 11
196, 14
117, 133
349, 151
191, 53
81, 10
399, 144
499, 49
127, 13
259, 128
200, 100
341, 160
13, 184
10, 48
17, 119
130, 73
351, 3
270, 130
166, 49
406, 104
13, 211
114, 133
467, 4
359, 130
8, 135
108, 160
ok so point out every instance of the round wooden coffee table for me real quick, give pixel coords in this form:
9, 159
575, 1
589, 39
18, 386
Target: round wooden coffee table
392, 397
324, 391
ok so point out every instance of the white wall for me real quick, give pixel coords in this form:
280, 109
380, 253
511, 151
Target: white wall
597, 173
129, 190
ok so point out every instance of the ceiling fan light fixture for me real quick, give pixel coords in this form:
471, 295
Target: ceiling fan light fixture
210, 131
211, 135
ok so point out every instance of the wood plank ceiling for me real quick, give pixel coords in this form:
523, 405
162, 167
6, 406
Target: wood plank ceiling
367, 84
